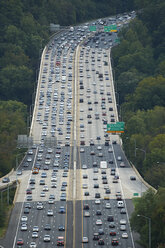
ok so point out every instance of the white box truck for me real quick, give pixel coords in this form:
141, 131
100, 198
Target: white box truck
103, 164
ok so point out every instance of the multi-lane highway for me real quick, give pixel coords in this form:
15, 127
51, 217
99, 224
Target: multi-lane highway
71, 201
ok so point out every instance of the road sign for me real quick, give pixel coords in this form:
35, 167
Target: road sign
117, 127
135, 194
111, 28
117, 41
92, 28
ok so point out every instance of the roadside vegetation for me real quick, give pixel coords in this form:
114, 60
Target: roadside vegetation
6, 205
139, 66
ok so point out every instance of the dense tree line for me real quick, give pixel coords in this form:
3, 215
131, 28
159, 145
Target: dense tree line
139, 65
152, 206
12, 122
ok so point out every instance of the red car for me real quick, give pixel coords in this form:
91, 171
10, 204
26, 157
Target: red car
112, 233
20, 242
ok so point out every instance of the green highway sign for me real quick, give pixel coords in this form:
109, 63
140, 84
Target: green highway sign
135, 194
117, 41
111, 28
117, 127
92, 28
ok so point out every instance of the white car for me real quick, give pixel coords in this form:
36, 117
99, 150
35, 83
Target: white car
42, 194
99, 222
124, 235
24, 226
123, 222
54, 179
85, 240
34, 234
47, 238
24, 218
97, 201
50, 212
35, 229
45, 188
86, 214
108, 205
39, 205
33, 245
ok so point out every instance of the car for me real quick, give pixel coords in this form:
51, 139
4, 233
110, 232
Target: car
62, 210
42, 194
28, 191
119, 158
61, 228
123, 211
99, 222
112, 233
26, 211
50, 212
122, 227
47, 227
98, 212
24, 218
24, 226
19, 173
97, 195
86, 214
33, 245
96, 236
40, 205
123, 222
108, 205
6, 180
132, 178
124, 235
101, 242
110, 218
114, 242
97, 202
101, 231
86, 207
42, 182
20, 242
107, 191
60, 241
112, 225
28, 205
35, 229
46, 238
34, 234
85, 240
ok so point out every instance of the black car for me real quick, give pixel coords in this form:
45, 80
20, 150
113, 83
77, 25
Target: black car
47, 227
61, 228
101, 242
132, 178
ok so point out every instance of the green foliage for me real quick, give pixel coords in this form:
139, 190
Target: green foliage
12, 122
153, 206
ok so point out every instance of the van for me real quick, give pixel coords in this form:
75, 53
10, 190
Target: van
120, 204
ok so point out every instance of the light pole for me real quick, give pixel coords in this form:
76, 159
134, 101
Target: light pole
142, 151
149, 228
